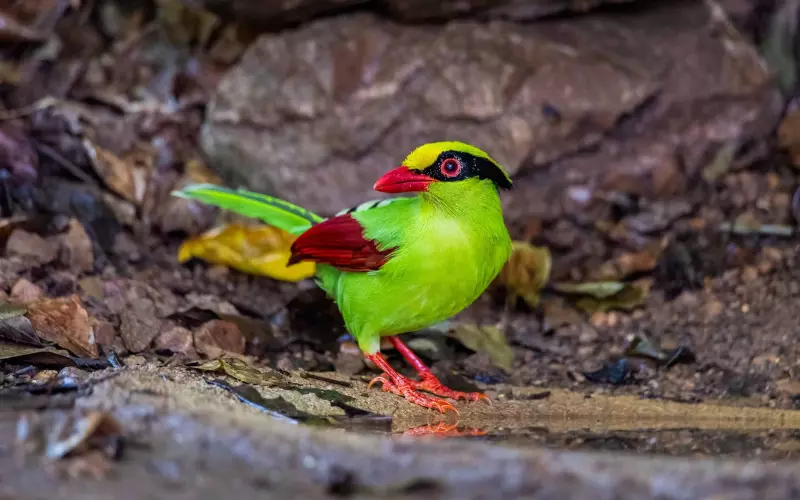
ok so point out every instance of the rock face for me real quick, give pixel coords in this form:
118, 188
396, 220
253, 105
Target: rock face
637, 103
274, 13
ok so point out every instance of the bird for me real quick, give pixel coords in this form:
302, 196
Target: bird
399, 264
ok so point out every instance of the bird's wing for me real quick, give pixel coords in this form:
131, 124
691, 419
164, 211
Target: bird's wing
339, 242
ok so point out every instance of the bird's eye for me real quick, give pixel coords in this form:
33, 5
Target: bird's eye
451, 167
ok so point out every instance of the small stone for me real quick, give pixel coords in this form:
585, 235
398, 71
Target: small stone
216, 337
349, 359
31, 246
25, 292
218, 274
76, 248
765, 361
599, 319
177, 340
588, 336
125, 246
44, 376
105, 335
713, 309
284, 363
135, 360
788, 385
749, 274
72, 376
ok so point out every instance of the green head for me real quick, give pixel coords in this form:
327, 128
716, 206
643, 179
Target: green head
442, 169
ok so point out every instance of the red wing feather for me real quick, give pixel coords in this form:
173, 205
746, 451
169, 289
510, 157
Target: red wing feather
340, 242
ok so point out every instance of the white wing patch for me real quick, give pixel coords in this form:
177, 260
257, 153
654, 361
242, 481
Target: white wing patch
368, 205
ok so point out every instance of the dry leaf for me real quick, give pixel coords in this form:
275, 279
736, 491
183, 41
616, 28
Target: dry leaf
39, 356
526, 272
127, 176
65, 322
488, 339
253, 249
15, 327
79, 435
240, 370
606, 295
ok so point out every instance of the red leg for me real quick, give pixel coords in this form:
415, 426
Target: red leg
442, 430
402, 386
428, 381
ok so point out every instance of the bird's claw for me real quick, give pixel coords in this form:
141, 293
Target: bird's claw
406, 389
432, 384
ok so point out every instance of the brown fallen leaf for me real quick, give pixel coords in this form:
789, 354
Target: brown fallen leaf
126, 175
488, 339
630, 263
65, 322
254, 249
526, 272
216, 337
240, 370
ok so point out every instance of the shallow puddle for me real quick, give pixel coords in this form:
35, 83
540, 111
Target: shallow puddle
767, 443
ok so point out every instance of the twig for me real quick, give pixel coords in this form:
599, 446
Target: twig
63, 162
43, 103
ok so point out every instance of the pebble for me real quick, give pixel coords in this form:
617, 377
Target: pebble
749, 274
26, 292
713, 309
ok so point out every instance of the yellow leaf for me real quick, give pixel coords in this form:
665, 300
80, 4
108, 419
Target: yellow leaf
526, 272
252, 249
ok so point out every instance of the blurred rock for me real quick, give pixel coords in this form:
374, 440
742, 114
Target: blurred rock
634, 103
25, 292
76, 248
217, 337
31, 246
140, 321
273, 14
177, 340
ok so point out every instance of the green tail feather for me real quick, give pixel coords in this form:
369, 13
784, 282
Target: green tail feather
273, 211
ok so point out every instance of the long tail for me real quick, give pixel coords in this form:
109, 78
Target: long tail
273, 211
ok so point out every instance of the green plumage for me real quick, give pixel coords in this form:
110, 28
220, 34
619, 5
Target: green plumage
273, 211
451, 242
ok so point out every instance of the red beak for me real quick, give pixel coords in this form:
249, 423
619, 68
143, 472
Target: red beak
402, 180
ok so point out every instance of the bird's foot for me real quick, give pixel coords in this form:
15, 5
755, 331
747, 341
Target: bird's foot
442, 430
428, 382
402, 386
